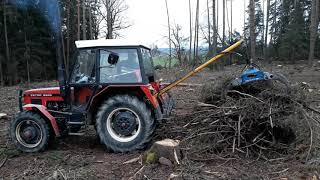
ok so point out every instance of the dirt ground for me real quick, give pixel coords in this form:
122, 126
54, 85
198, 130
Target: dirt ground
85, 158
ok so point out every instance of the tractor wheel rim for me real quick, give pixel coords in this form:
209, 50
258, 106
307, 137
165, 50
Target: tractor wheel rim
29, 134
116, 136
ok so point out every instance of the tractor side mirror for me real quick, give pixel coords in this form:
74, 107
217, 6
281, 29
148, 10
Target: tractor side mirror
113, 58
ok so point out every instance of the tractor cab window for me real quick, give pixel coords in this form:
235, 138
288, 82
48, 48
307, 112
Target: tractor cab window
147, 62
84, 69
125, 70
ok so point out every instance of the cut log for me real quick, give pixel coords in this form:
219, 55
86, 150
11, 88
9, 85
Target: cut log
3, 116
167, 148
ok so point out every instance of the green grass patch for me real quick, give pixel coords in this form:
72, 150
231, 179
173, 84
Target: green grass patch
5, 152
55, 155
161, 60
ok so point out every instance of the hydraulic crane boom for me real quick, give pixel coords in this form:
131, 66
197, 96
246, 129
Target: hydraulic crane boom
198, 69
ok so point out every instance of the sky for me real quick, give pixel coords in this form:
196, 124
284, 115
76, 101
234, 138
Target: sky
149, 18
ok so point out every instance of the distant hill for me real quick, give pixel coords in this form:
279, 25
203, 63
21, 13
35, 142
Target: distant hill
202, 49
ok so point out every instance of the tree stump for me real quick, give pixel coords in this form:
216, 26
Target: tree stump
168, 149
3, 116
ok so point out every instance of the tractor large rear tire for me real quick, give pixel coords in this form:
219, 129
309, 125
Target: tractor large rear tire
127, 113
29, 132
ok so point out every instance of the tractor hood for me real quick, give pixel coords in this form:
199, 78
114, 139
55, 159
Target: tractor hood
54, 91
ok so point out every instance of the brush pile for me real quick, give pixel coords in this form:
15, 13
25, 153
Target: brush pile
263, 119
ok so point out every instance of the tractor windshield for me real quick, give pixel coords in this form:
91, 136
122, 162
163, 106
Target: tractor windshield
125, 70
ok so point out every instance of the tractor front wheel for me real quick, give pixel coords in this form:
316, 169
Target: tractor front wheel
29, 132
124, 124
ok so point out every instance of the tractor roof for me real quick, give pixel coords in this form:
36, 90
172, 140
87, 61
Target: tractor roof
107, 43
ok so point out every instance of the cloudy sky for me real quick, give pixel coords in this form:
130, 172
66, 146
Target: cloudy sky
149, 18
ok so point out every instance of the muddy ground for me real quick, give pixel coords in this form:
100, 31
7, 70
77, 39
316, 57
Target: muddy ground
85, 158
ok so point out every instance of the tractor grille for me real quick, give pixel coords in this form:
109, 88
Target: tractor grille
36, 101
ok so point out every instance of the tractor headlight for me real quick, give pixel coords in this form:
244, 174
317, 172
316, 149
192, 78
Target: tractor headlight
152, 90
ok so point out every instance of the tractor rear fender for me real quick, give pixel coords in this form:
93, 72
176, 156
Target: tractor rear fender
42, 110
143, 92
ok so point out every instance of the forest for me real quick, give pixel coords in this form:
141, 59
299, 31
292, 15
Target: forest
284, 30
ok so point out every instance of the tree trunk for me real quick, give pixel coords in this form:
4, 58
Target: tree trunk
68, 36
223, 23
90, 21
196, 38
190, 23
27, 57
169, 32
263, 25
214, 25
1, 73
5, 36
209, 32
109, 20
231, 28
78, 16
214, 33
244, 18
231, 19
313, 30
274, 19
217, 18
84, 20
266, 33
252, 31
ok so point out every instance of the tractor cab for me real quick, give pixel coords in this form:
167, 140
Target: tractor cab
107, 62
113, 65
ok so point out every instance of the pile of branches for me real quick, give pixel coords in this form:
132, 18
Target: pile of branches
263, 119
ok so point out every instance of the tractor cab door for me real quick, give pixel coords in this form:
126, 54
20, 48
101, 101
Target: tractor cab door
125, 70
83, 79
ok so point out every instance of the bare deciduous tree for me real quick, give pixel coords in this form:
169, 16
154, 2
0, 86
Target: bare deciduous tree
178, 42
113, 17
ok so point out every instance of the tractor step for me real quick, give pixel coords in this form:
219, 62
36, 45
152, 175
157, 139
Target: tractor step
76, 123
76, 134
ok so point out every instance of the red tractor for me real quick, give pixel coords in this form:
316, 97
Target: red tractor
112, 86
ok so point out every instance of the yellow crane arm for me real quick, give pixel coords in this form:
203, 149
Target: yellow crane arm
206, 64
